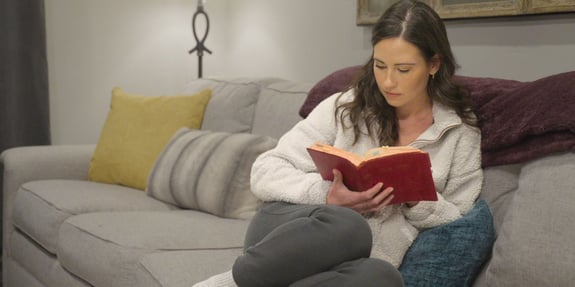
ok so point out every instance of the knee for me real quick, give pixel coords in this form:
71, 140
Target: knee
346, 225
242, 273
247, 272
376, 270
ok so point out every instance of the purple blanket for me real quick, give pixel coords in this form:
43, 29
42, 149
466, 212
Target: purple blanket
520, 121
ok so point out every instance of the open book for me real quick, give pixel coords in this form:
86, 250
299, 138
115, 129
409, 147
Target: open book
406, 169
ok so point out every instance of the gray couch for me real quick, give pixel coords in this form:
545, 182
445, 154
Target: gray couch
59, 229
62, 230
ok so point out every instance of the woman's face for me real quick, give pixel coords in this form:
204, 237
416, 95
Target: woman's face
402, 73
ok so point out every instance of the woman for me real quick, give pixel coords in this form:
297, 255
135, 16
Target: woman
312, 232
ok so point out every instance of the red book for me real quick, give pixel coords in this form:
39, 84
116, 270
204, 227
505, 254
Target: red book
406, 169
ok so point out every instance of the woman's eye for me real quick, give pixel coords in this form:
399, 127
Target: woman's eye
403, 70
380, 66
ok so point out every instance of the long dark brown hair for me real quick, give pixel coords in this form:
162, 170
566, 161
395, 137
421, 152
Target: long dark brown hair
418, 24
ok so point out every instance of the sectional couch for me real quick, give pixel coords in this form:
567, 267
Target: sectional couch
61, 229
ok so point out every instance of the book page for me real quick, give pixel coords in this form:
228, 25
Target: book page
388, 150
353, 158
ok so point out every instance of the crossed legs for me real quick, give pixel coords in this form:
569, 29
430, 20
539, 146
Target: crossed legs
310, 245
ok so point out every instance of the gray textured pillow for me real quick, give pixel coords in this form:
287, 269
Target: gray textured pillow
209, 171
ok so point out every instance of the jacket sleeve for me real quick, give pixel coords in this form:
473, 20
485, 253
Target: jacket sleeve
462, 188
287, 173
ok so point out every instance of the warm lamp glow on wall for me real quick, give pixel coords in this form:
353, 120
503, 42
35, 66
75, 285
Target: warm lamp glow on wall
200, 48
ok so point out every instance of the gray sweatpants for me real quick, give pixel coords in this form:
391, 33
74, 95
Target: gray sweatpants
310, 245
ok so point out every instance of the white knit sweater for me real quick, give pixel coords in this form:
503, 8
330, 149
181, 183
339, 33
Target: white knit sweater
287, 173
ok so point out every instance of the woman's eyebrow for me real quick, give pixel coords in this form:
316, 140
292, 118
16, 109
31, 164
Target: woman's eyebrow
397, 64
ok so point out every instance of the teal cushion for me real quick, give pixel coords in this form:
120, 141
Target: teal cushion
451, 254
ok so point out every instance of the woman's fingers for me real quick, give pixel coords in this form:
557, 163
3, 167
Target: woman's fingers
372, 203
337, 177
385, 196
370, 200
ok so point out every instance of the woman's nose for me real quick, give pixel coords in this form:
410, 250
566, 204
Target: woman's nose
389, 80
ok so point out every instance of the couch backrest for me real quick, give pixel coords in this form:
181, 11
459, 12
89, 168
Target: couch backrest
265, 106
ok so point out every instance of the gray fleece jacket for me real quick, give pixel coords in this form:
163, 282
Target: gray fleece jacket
287, 173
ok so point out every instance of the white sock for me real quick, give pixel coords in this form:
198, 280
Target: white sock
220, 280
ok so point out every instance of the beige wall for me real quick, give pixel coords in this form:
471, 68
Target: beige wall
142, 46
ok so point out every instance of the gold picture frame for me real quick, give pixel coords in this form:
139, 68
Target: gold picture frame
549, 6
453, 9
368, 11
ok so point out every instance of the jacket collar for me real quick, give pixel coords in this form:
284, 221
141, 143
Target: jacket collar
444, 119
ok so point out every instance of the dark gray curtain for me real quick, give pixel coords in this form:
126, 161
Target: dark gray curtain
24, 98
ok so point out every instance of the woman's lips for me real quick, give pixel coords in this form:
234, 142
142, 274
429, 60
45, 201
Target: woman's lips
392, 94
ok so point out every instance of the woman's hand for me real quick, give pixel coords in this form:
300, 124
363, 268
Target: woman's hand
364, 202
411, 204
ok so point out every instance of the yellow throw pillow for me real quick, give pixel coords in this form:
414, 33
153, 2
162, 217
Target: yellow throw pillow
137, 129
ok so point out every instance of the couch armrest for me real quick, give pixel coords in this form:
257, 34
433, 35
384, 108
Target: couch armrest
22, 164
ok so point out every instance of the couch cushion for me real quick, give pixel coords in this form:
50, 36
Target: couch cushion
233, 102
40, 207
499, 185
181, 268
137, 129
116, 241
535, 242
34, 259
209, 171
451, 254
277, 108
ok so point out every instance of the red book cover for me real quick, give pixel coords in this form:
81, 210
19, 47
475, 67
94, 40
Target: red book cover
406, 169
